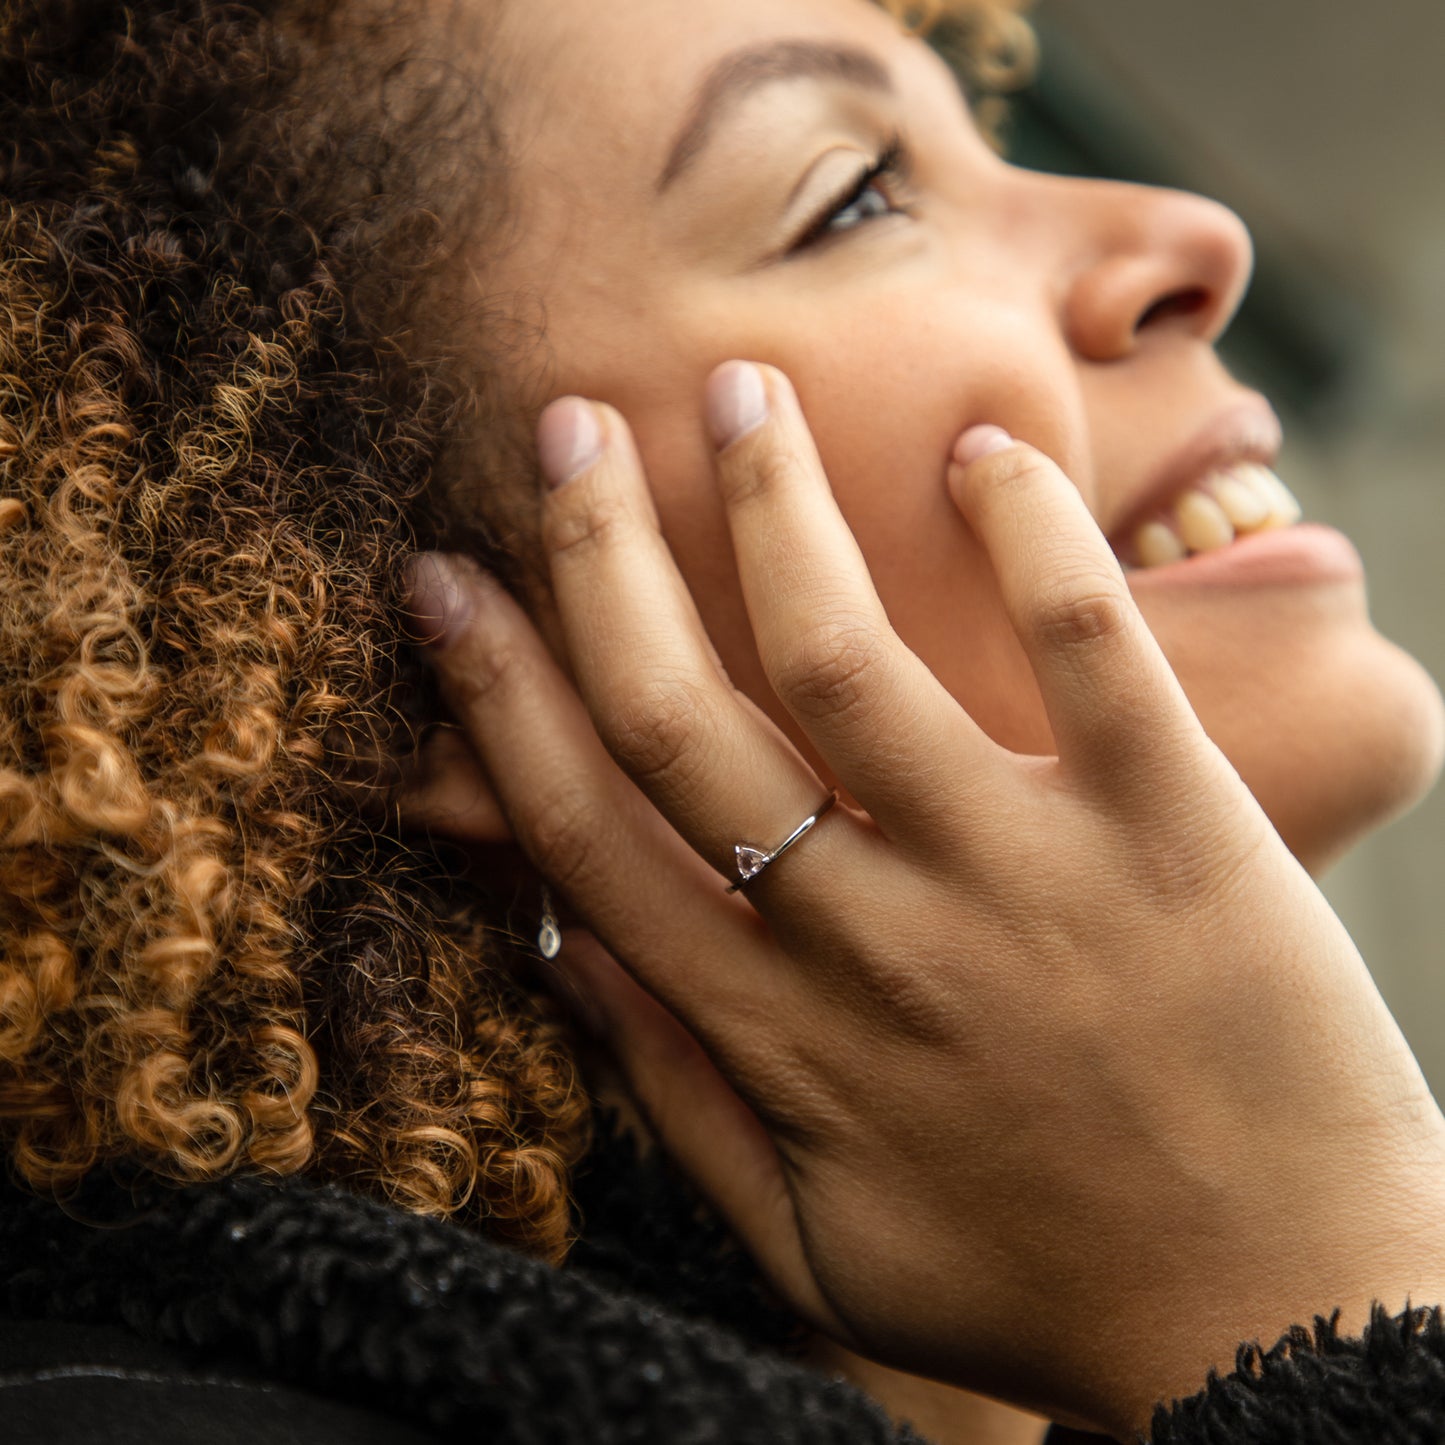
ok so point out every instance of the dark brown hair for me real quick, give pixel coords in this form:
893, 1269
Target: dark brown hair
222, 407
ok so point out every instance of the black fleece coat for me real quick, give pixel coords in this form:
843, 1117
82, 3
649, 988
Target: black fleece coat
255, 1312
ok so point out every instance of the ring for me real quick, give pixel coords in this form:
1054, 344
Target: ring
751, 861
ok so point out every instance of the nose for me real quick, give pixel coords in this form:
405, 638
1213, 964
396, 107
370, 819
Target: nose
1150, 261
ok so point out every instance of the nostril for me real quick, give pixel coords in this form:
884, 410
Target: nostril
1185, 303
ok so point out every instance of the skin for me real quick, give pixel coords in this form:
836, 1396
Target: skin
1082, 318
1078, 315
1056, 1078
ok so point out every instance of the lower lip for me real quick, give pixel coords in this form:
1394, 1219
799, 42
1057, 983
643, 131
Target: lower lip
1288, 556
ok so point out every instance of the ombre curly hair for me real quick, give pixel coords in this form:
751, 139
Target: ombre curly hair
225, 413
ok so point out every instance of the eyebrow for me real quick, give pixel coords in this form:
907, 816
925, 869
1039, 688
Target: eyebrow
744, 71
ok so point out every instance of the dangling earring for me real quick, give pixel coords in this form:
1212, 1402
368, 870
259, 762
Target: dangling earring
549, 934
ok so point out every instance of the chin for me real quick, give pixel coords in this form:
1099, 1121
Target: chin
1334, 742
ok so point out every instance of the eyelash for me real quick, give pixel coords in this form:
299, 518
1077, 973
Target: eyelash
891, 165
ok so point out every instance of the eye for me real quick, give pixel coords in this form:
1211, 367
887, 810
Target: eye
869, 202
873, 194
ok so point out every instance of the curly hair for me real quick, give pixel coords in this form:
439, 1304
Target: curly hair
222, 420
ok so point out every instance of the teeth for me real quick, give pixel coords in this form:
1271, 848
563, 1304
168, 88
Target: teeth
1246, 506
1229, 503
1157, 544
1285, 510
1202, 523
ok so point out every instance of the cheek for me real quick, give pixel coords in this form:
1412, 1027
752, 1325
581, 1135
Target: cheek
933, 576
885, 403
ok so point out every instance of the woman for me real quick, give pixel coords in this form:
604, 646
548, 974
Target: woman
286, 294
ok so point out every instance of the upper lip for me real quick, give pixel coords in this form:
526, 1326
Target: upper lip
1246, 431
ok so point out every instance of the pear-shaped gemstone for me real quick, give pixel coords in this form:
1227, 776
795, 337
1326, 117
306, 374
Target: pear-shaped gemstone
751, 861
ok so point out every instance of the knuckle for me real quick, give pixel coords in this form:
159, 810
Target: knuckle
828, 668
1003, 475
659, 729
490, 665
1083, 612
579, 520
566, 836
1217, 860
756, 470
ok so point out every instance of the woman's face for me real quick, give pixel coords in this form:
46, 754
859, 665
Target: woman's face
695, 180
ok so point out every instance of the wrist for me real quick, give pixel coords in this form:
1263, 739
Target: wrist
1333, 1290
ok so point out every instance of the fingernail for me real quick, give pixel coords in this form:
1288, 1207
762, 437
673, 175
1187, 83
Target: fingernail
980, 441
436, 600
737, 402
569, 439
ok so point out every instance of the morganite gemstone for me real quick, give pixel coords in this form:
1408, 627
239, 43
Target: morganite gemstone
751, 861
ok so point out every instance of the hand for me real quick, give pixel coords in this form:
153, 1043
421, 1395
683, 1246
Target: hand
1052, 1077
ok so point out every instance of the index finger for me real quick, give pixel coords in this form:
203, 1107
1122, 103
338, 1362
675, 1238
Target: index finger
830, 653
1112, 699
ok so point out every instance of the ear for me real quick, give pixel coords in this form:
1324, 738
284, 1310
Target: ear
446, 792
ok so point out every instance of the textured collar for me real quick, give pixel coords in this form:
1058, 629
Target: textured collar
349, 1298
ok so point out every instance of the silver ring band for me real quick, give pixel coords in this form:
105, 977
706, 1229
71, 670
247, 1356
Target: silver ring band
751, 861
